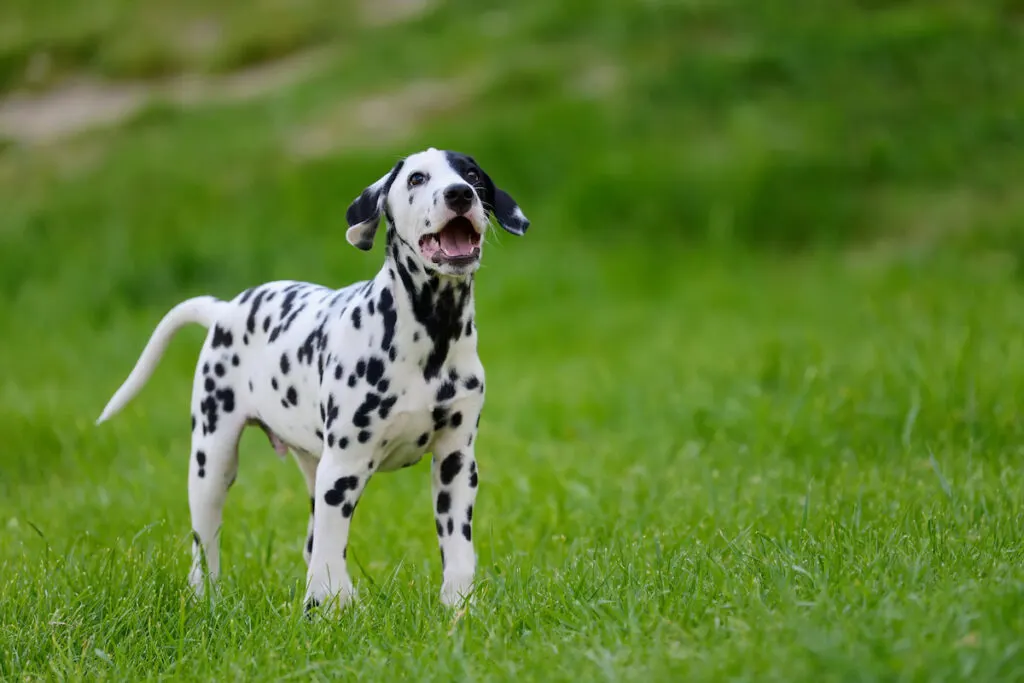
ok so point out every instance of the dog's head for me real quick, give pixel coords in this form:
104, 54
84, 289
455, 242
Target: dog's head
438, 203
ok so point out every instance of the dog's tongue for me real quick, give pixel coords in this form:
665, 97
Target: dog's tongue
455, 241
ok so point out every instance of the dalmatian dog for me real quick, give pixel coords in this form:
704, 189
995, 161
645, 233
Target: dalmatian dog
351, 381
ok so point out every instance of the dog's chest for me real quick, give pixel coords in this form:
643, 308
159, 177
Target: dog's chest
422, 412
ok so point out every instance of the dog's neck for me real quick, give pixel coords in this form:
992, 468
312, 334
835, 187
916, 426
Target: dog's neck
438, 307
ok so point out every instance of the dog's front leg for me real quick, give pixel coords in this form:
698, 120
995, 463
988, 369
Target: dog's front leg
341, 477
454, 480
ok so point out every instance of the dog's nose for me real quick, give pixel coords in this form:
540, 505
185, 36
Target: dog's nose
459, 197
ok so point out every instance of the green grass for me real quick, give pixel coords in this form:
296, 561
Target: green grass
706, 455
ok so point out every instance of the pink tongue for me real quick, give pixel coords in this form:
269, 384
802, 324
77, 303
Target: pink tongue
455, 243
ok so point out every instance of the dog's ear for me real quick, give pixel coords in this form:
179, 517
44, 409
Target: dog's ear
504, 208
363, 214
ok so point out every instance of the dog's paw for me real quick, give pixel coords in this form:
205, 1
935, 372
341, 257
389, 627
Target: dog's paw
327, 603
457, 590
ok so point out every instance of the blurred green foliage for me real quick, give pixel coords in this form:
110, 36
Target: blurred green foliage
753, 374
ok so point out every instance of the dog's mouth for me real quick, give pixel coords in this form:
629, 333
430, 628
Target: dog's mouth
457, 243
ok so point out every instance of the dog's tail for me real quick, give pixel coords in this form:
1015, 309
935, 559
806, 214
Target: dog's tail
202, 310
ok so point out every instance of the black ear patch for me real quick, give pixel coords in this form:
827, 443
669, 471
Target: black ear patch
363, 214
508, 213
497, 202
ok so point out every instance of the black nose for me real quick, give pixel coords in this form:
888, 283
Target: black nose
459, 197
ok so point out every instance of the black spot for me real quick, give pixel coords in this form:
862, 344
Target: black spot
446, 392
451, 526
444, 502
467, 532
250, 386
356, 318
361, 418
442, 558
206, 368
383, 385
386, 405
250, 323
266, 324
440, 416
422, 441
393, 353
319, 434
284, 364
309, 544
346, 510
469, 513
208, 407
469, 327
312, 505
338, 371
332, 411
235, 360
343, 443
370, 307
246, 294
415, 336
209, 384
440, 529
273, 383
472, 382
201, 461
245, 339
311, 605
364, 436
450, 467
361, 368
221, 337
330, 440
193, 423
472, 474
227, 399
218, 370
456, 419
374, 370
411, 264
352, 380
336, 495
386, 304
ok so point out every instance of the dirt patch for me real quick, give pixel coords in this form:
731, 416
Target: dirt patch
379, 119
83, 104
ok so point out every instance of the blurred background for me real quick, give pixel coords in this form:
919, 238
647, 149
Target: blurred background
776, 256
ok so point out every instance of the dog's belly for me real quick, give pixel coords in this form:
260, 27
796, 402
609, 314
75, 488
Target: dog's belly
407, 436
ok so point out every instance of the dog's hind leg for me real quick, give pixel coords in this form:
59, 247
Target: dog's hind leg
307, 463
213, 465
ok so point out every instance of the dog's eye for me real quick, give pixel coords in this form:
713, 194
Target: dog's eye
472, 176
416, 179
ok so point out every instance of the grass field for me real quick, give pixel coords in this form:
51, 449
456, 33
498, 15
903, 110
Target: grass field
755, 375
